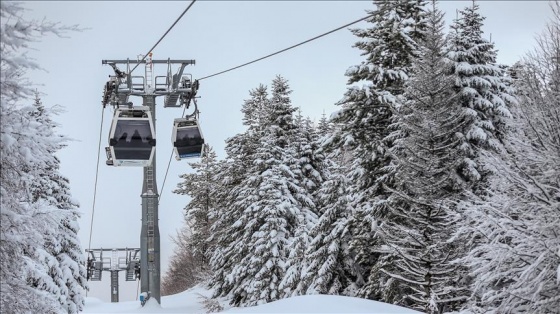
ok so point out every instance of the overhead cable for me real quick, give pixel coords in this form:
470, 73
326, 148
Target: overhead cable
95, 184
286, 49
157, 43
96, 176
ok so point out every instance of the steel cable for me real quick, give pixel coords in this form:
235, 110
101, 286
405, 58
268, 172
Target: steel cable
168, 30
286, 49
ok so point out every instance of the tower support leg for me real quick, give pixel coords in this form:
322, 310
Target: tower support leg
114, 286
150, 271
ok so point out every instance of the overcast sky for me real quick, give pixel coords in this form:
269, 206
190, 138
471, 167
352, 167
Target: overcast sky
218, 35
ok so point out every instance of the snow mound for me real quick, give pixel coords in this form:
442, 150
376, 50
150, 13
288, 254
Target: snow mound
324, 304
191, 301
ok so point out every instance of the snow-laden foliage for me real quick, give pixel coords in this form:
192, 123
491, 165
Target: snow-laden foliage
269, 182
483, 89
329, 268
191, 262
227, 226
415, 267
515, 266
62, 242
41, 258
362, 125
432, 187
201, 186
311, 168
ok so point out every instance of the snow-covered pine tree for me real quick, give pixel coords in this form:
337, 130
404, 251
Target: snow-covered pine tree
202, 187
31, 224
61, 242
516, 264
267, 209
22, 220
311, 168
305, 162
483, 91
270, 209
271, 218
227, 229
389, 47
417, 254
329, 267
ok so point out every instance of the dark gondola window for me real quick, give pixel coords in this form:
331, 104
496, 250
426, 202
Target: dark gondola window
133, 138
189, 142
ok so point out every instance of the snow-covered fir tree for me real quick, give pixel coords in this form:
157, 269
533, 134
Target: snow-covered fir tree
309, 163
312, 168
389, 47
268, 207
239, 164
40, 256
201, 186
483, 91
416, 231
323, 269
329, 268
61, 242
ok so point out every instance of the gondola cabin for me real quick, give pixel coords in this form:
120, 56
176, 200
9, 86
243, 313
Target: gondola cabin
187, 138
131, 138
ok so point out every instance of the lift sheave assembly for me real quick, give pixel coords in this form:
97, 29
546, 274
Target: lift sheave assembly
131, 138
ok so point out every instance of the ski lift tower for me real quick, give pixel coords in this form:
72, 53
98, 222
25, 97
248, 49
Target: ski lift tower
178, 90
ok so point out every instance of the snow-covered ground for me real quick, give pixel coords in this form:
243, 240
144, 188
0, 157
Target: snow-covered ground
191, 301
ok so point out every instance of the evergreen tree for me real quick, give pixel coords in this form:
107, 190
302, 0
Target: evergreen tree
307, 163
270, 222
484, 92
367, 112
311, 169
269, 208
61, 242
226, 228
271, 212
417, 254
40, 256
329, 268
201, 186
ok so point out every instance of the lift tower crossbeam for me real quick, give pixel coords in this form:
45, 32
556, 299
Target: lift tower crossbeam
120, 259
172, 61
117, 91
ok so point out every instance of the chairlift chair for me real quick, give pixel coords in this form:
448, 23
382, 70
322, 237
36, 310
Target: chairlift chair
187, 138
131, 138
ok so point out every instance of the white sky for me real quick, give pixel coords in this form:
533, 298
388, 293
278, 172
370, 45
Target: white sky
218, 35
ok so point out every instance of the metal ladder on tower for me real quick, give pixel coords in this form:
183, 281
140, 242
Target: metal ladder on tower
150, 179
150, 216
149, 77
149, 72
150, 234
